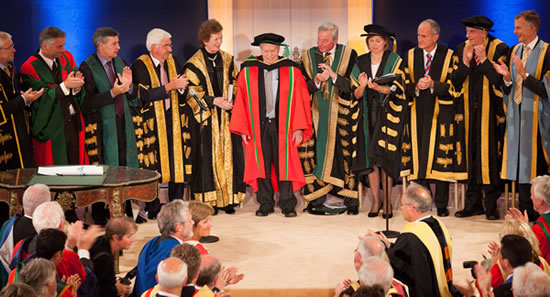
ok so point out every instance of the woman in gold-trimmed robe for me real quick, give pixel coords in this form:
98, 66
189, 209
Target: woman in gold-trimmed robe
373, 119
218, 165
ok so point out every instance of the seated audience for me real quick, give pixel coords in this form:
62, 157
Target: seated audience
175, 225
40, 275
369, 246
119, 235
18, 290
171, 276
201, 213
376, 271
530, 281
374, 291
20, 226
540, 195
515, 251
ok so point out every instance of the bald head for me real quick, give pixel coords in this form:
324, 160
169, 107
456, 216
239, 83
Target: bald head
416, 202
210, 267
171, 274
369, 246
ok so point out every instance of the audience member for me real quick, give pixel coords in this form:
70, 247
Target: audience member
18, 290
530, 280
119, 235
201, 213
174, 222
376, 271
374, 291
171, 276
515, 251
40, 275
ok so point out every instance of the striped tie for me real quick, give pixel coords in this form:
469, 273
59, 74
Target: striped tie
518, 91
428, 63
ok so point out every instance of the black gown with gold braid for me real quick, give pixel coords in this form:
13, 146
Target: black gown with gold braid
433, 147
327, 156
218, 168
162, 134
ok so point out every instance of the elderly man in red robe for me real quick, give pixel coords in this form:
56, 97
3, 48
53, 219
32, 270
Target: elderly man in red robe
273, 116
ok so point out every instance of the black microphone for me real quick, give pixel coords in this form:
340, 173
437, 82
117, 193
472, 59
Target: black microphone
393, 88
199, 102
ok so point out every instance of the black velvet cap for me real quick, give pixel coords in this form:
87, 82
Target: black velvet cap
268, 38
374, 29
478, 22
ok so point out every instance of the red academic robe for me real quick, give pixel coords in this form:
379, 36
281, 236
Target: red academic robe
47, 118
294, 114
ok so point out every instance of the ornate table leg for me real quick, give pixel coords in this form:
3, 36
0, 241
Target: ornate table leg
115, 202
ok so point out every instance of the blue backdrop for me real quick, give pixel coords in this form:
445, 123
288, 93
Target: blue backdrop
402, 17
24, 19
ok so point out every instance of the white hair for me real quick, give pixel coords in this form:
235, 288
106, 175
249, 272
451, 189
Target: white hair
171, 279
328, 26
155, 36
376, 271
3, 37
34, 196
541, 188
530, 280
48, 215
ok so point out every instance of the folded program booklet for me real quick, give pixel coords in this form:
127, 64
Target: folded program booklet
81, 170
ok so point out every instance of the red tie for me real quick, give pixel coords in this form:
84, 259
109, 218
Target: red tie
428, 63
119, 106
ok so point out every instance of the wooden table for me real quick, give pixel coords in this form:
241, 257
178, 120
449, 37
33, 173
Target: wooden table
120, 184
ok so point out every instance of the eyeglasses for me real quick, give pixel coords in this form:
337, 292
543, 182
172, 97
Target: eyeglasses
9, 47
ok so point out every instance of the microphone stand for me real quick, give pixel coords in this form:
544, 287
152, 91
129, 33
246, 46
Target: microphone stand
209, 238
387, 203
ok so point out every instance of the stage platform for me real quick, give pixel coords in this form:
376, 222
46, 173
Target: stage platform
308, 255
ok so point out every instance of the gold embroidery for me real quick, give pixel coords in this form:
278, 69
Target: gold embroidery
444, 161
446, 147
442, 130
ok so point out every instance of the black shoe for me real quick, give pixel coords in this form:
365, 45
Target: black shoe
261, 213
140, 220
229, 209
354, 211
465, 213
375, 214
290, 214
215, 210
442, 212
493, 217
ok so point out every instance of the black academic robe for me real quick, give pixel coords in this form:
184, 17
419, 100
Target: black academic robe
327, 157
150, 133
217, 163
504, 290
23, 228
431, 148
104, 267
15, 139
484, 111
413, 265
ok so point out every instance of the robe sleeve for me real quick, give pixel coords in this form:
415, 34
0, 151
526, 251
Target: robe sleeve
240, 119
302, 116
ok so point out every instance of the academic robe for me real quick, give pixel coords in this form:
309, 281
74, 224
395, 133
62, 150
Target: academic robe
431, 148
6, 247
219, 166
327, 156
294, 113
50, 112
541, 228
15, 138
484, 115
98, 107
373, 120
421, 259
104, 267
527, 139
154, 251
163, 141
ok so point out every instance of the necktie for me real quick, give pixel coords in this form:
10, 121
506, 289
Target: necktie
164, 81
268, 92
325, 85
8, 71
119, 107
428, 63
477, 60
55, 70
518, 91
